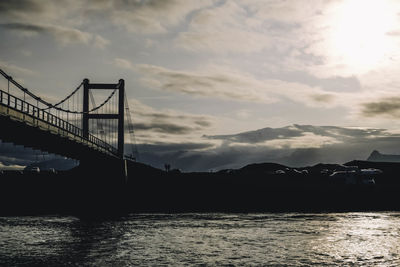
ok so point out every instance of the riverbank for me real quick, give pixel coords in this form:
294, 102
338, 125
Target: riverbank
254, 188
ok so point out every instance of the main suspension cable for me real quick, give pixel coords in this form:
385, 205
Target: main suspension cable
55, 106
66, 98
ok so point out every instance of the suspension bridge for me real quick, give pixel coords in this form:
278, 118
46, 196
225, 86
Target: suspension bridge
74, 127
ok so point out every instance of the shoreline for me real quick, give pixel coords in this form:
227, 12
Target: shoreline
147, 189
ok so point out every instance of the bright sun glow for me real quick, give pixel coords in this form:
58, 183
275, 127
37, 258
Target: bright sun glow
359, 36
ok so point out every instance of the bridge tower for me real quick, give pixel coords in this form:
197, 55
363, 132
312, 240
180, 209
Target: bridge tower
120, 86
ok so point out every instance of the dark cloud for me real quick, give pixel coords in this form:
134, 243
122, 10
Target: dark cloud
386, 107
21, 6
47, 17
153, 4
25, 27
62, 34
163, 127
160, 123
261, 135
173, 147
169, 122
168, 116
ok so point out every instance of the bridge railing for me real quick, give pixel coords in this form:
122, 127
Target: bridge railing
33, 111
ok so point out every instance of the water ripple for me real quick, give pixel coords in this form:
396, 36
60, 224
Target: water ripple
283, 239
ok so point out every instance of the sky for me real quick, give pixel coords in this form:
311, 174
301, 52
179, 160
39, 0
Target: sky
218, 84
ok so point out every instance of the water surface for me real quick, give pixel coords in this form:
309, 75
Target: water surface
283, 239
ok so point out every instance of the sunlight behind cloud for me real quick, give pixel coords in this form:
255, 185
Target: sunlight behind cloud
359, 34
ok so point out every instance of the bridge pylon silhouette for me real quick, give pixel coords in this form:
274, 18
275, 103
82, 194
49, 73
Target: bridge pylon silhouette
120, 86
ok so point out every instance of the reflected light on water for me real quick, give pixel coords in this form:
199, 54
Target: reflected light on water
293, 239
359, 237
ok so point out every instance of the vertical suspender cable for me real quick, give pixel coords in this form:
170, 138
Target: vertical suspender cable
109, 124
113, 121
90, 121
59, 113
109, 134
106, 123
68, 112
77, 109
73, 108
80, 108
116, 122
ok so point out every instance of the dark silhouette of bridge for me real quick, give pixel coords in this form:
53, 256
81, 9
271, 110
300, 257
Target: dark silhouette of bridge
74, 127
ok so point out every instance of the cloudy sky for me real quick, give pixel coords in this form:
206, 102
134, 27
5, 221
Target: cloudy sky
222, 83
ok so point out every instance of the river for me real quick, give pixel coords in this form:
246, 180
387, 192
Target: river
281, 239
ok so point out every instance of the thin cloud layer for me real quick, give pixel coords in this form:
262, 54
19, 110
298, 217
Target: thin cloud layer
17, 69
221, 29
232, 84
153, 16
211, 83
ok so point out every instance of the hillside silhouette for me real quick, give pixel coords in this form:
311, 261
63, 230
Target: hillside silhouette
257, 187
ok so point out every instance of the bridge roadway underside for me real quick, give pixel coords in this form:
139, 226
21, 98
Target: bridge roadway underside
50, 139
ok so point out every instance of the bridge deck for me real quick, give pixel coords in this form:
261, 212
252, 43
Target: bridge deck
25, 124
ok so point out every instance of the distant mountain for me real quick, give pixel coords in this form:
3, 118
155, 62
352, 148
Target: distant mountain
377, 156
294, 145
